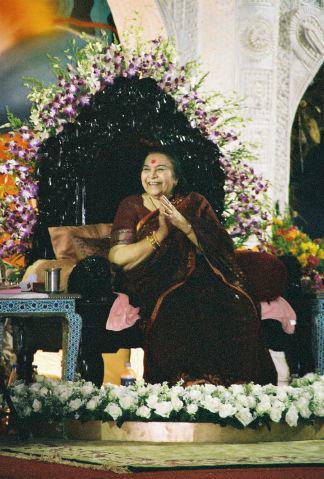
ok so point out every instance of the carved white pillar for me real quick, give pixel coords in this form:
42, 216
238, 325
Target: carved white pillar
237, 43
300, 55
267, 50
256, 79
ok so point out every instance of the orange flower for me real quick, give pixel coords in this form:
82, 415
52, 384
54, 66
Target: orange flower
5, 138
303, 258
33, 203
291, 234
7, 185
3, 149
12, 207
16, 260
4, 237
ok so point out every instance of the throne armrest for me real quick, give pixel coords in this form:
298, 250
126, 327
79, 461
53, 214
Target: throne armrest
40, 265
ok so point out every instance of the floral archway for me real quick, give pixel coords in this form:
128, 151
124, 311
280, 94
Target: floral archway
92, 70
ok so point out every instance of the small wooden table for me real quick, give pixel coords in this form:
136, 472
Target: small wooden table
26, 306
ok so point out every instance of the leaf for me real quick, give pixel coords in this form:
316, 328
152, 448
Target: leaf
14, 121
33, 83
200, 81
56, 66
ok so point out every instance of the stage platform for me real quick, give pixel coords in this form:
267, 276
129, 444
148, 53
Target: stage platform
185, 432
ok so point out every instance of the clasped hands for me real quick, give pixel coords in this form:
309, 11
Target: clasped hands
170, 215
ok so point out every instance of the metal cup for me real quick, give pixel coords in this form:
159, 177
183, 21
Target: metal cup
52, 280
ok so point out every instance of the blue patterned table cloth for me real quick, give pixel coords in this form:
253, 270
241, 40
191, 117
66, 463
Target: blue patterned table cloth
318, 331
58, 305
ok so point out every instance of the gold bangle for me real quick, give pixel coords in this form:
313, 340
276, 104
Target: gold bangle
150, 239
153, 241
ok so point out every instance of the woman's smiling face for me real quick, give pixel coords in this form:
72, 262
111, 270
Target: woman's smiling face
158, 176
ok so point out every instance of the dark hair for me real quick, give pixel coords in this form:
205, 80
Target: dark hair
182, 186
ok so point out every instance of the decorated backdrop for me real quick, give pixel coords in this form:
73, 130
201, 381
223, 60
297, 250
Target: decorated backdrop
101, 75
108, 102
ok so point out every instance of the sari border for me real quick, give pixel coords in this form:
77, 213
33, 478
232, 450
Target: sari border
231, 285
142, 222
122, 236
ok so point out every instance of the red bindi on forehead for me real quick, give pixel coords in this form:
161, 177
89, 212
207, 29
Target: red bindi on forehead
153, 161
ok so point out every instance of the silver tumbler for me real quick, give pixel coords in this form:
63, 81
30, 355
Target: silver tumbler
52, 280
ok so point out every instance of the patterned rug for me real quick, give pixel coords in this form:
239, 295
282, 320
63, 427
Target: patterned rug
122, 457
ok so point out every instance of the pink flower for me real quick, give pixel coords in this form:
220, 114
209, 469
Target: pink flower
122, 315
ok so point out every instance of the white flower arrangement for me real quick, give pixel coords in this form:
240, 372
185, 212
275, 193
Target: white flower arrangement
239, 405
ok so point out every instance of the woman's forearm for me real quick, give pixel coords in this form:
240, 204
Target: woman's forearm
188, 230
129, 256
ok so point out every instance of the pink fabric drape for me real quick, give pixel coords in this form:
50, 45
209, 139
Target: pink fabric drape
280, 310
122, 315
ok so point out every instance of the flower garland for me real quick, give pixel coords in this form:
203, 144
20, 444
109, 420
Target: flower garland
90, 70
239, 405
18, 189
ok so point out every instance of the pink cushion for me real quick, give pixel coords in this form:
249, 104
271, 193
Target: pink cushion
122, 315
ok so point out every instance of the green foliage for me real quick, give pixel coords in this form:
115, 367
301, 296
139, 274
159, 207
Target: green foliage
14, 121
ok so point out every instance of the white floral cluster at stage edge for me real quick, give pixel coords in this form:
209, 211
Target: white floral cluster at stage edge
239, 405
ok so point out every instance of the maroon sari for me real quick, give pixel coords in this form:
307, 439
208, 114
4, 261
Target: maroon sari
198, 320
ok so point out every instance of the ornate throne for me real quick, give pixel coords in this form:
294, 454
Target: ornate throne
83, 174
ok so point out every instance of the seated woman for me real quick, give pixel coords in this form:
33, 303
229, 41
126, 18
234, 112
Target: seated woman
174, 259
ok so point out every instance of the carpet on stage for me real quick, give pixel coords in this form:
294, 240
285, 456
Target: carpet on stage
122, 457
13, 468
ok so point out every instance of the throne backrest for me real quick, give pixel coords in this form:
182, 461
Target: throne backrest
92, 164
